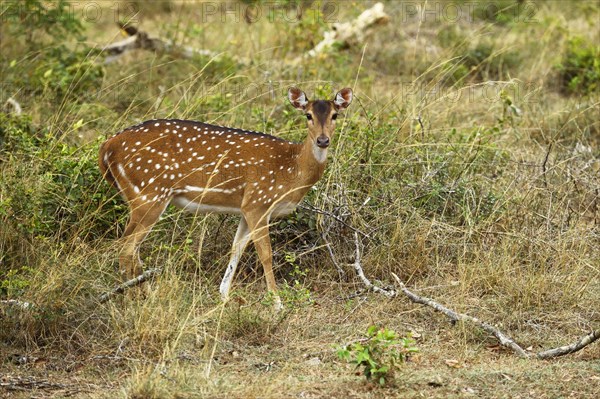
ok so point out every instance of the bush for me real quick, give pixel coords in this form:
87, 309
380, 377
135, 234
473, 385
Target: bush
379, 354
30, 17
580, 68
484, 62
51, 188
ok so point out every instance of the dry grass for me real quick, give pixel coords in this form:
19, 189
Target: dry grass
489, 210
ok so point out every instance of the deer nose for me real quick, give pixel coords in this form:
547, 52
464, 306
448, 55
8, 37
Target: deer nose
323, 141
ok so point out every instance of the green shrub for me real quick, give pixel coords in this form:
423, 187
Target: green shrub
13, 282
66, 71
484, 62
26, 18
380, 354
51, 188
580, 68
49, 54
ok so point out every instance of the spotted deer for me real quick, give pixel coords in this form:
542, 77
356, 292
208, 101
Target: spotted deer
207, 168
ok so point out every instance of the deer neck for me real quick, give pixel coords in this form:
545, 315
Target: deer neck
312, 161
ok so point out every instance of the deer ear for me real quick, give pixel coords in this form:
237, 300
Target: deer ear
343, 98
297, 98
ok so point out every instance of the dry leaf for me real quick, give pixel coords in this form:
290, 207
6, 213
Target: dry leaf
493, 348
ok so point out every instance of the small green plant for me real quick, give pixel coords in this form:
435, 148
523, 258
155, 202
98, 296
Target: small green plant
510, 112
379, 354
293, 291
15, 281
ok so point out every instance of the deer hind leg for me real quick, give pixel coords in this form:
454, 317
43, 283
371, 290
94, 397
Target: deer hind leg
259, 228
141, 220
242, 236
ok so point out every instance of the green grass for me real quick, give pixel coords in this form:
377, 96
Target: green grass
469, 159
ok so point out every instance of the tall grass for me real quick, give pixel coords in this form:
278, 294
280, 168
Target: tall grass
464, 166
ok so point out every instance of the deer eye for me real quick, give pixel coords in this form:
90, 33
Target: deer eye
334, 116
309, 117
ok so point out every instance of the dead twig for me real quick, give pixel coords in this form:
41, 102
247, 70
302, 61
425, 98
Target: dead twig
27, 383
103, 298
14, 104
141, 40
341, 271
544, 169
502, 338
16, 303
30, 383
357, 266
567, 349
343, 34
346, 34
309, 207
130, 283
455, 316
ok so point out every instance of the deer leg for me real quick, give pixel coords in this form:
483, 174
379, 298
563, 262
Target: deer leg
262, 242
141, 221
242, 236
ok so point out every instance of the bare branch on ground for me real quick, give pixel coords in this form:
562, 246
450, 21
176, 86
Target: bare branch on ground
141, 40
14, 104
568, 349
342, 35
346, 34
502, 338
17, 383
130, 283
361, 274
16, 303
340, 270
455, 316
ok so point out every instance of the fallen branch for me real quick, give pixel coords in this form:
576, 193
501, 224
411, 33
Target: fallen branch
27, 383
455, 316
342, 35
567, 349
130, 283
103, 298
309, 207
30, 383
357, 266
348, 33
141, 40
14, 104
341, 271
16, 303
502, 338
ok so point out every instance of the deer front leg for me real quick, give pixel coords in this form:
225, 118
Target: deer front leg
259, 228
242, 236
141, 220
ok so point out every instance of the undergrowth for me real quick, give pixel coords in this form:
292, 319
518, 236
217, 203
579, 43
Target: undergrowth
468, 165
